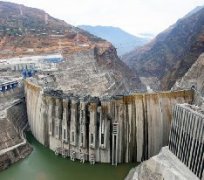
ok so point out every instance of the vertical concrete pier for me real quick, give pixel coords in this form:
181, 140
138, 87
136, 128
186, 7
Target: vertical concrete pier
186, 139
104, 130
83, 129
93, 131
74, 124
119, 129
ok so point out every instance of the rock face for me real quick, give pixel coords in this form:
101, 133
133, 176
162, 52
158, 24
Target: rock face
94, 73
9, 136
110, 130
14, 155
13, 120
164, 166
170, 55
194, 77
17, 115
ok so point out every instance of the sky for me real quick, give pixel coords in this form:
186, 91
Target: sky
133, 16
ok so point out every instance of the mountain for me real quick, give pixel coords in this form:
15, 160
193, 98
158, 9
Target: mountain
23, 28
195, 10
123, 41
88, 60
169, 56
194, 77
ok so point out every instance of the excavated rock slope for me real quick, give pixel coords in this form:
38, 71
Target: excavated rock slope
13, 118
164, 166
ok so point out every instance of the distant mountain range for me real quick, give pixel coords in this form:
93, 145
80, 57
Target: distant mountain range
123, 41
169, 56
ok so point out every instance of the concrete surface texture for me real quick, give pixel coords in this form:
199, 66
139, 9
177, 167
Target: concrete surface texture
113, 130
183, 157
186, 138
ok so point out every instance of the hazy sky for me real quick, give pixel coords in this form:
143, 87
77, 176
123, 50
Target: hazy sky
134, 16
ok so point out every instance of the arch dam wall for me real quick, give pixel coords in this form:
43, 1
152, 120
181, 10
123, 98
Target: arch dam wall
119, 129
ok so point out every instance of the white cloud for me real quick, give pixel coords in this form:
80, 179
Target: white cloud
135, 16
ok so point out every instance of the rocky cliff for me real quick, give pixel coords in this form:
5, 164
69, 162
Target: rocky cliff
95, 73
169, 56
194, 77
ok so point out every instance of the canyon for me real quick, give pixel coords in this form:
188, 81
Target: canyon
171, 53
72, 92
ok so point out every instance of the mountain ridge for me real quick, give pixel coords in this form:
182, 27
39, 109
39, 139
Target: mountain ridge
122, 40
24, 27
171, 53
26, 31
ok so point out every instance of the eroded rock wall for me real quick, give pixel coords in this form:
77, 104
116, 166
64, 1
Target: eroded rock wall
194, 77
13, 156
111, 130
17, 114
13, 145
8, 134
164, 166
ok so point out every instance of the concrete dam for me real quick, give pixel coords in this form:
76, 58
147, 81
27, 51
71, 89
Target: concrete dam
183, 158
186, 138
118, 129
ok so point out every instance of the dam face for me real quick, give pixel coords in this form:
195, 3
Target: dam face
119, 129
186, 138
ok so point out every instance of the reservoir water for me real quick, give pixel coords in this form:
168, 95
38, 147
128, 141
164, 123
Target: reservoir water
42, 164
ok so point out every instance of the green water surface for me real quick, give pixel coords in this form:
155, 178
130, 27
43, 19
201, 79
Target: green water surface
42, 164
